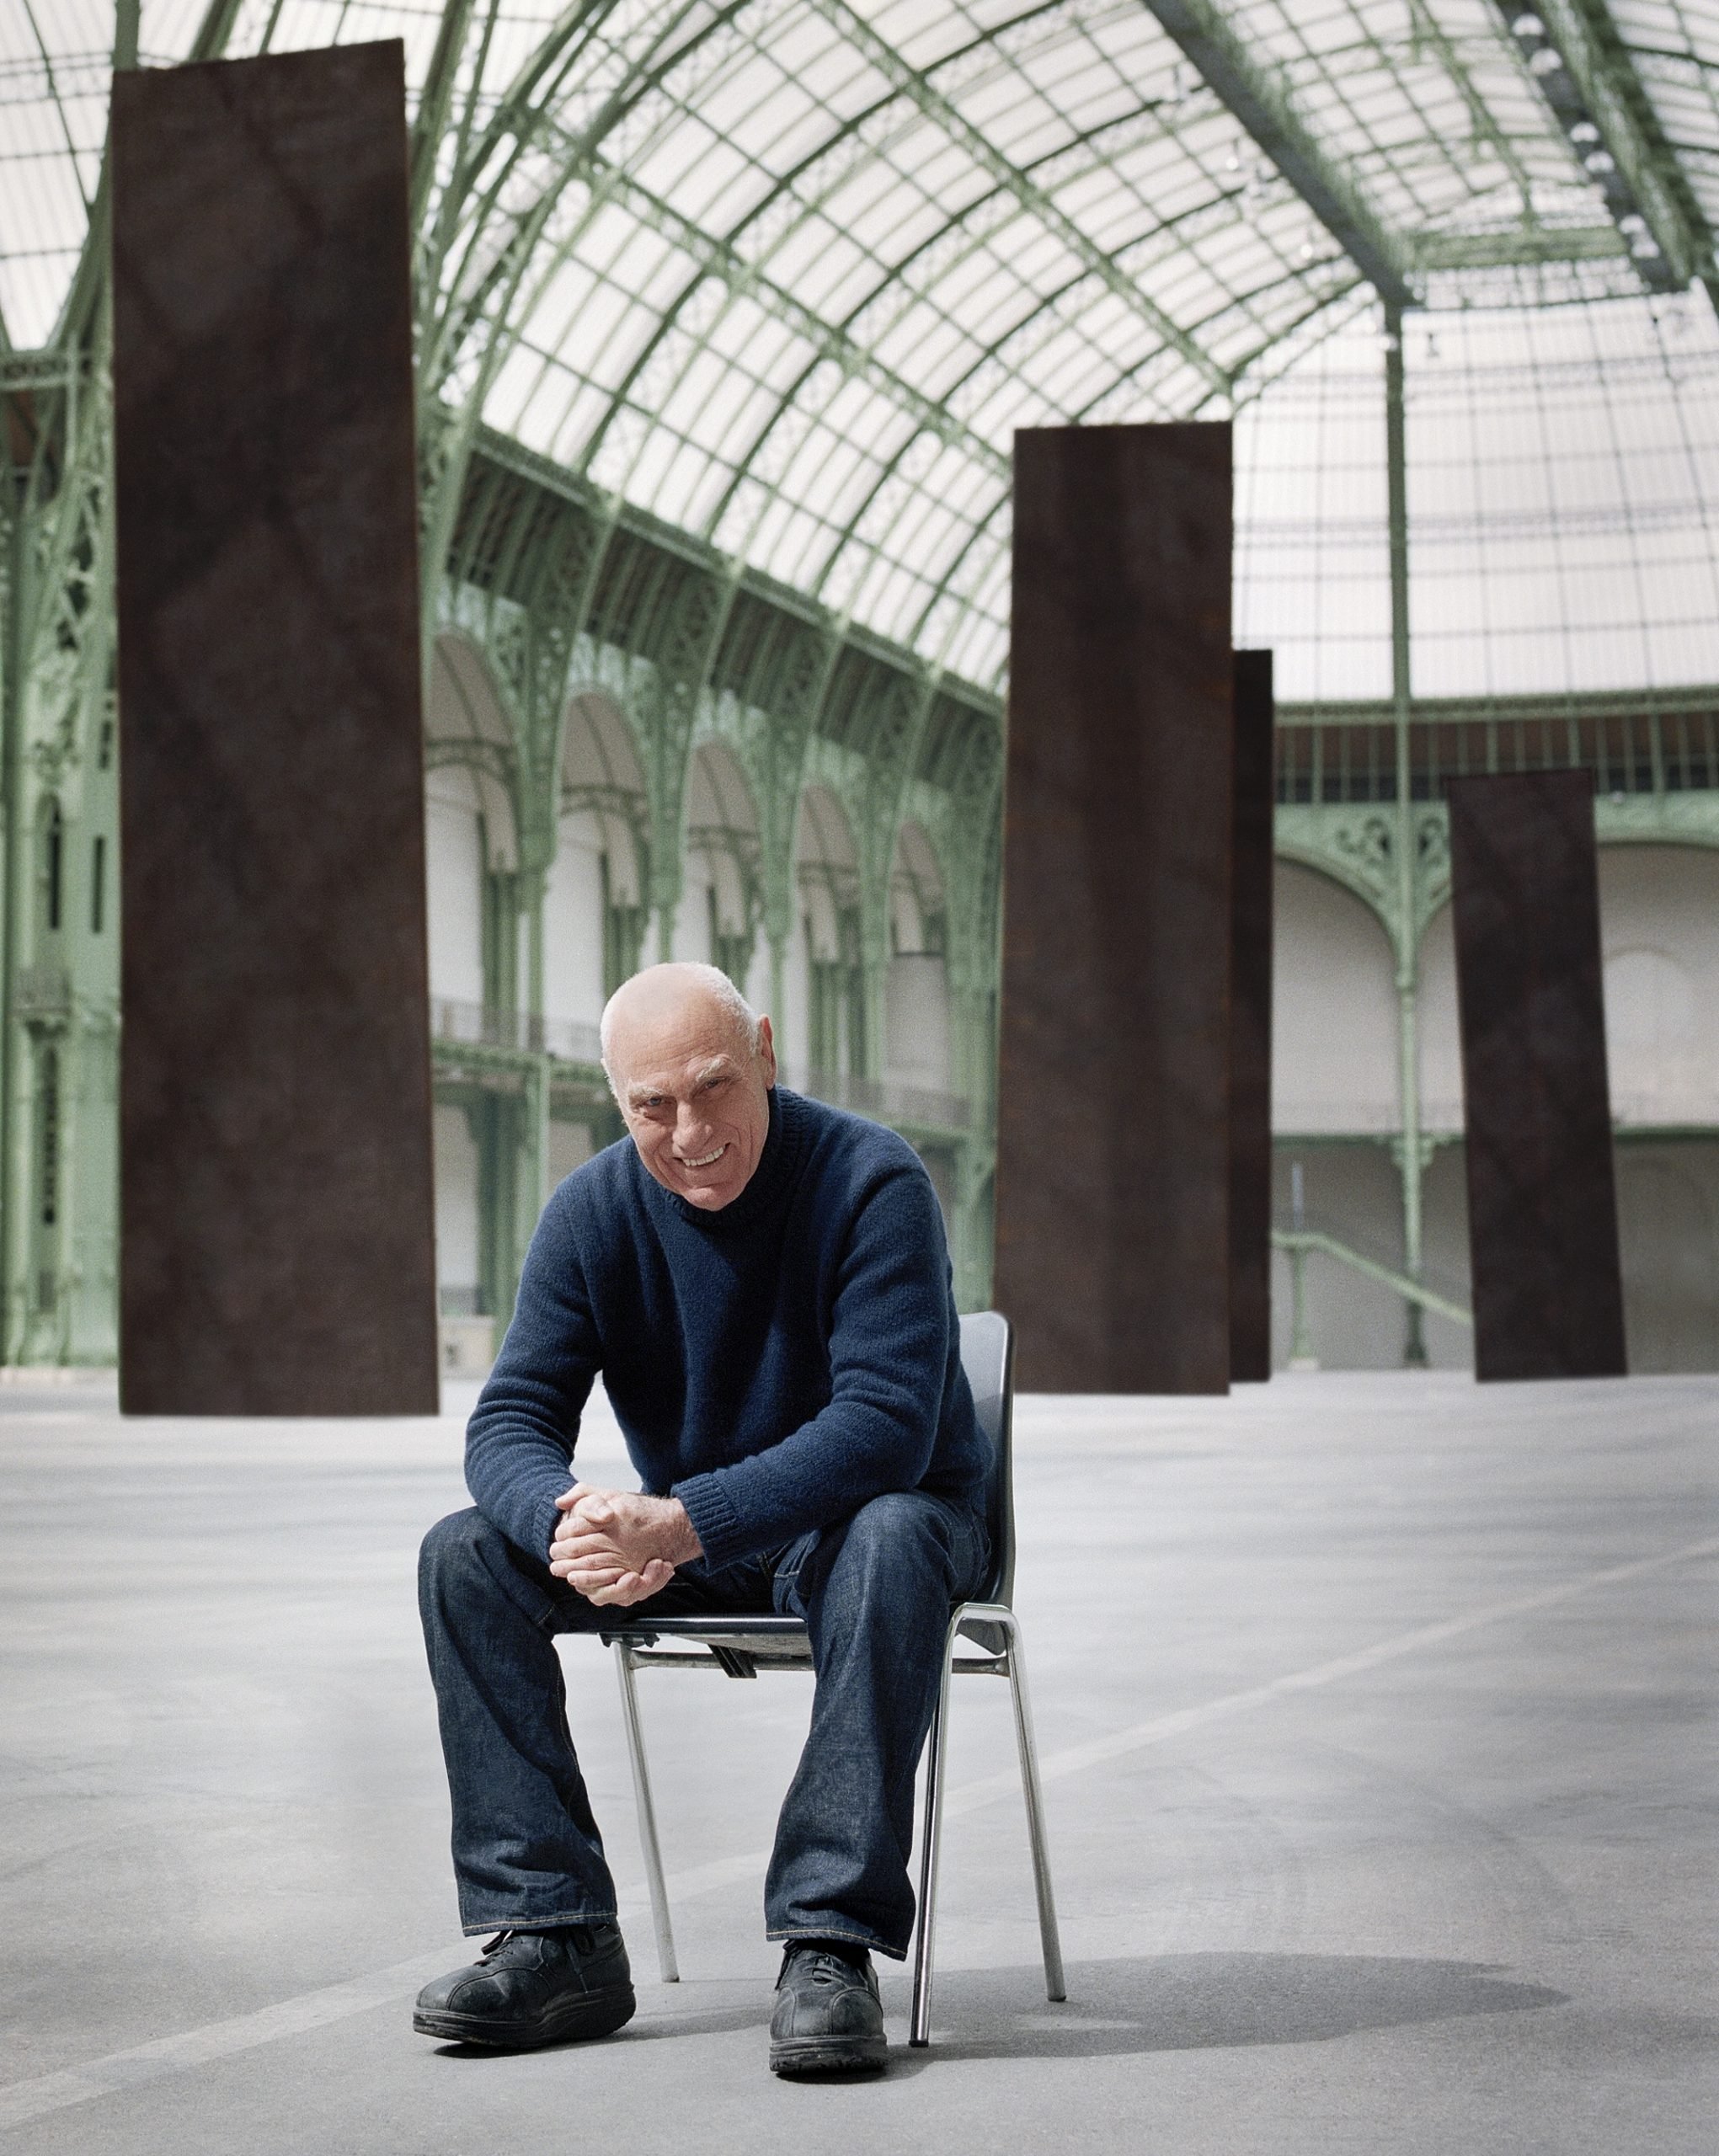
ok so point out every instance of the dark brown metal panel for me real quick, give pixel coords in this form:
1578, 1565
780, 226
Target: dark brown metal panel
1542, 1208
1250, 1026
1113, 1254
277, 1251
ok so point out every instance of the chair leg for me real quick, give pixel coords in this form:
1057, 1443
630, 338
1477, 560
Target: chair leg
647, 1816
918, 2033
1048, 1937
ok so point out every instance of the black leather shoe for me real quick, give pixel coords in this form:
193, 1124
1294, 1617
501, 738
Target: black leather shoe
532, 1987
827, 2017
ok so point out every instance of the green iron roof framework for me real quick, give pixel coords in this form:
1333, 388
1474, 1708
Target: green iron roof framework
784, 274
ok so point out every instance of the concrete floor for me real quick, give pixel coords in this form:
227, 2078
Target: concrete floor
1378, 1717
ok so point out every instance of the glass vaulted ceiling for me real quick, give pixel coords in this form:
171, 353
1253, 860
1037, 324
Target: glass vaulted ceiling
788, 273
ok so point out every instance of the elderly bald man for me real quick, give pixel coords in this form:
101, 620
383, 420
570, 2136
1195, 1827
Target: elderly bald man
763, 1283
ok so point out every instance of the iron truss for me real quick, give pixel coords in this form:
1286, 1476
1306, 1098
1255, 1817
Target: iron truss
784, 274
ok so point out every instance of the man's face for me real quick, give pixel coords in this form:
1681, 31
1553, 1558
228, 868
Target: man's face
695, 1095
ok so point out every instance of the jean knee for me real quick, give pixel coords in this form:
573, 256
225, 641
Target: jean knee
455, 1546
899, 1527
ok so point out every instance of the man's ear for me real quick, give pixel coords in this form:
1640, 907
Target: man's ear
766, 1051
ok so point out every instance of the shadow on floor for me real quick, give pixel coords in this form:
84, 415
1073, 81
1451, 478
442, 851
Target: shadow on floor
1193, 2002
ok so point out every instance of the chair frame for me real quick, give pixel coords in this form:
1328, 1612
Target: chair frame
739, 1646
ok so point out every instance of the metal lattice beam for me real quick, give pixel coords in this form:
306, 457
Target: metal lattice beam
1572, 49
909, 82
1266, 116
717, 256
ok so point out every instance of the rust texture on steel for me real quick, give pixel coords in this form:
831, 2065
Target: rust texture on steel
1542, 1205
1112, 1241
277, 1251
1250, 1026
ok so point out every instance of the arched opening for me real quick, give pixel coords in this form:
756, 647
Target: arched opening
1335, 1106
471, 832
1659, 938
826, 1031
594, 904
916, 987
720, 898
1667, 1204
1334, 1011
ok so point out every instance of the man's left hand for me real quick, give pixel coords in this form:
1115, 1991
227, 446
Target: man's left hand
617, 1546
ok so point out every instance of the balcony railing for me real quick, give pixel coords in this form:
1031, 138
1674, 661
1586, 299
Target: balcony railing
475, 1025
1653, 753
887, 1100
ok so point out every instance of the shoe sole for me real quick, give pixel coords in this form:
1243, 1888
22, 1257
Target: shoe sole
591, 2013
796, 2055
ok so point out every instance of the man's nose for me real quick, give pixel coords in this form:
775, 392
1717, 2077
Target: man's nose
691, 1128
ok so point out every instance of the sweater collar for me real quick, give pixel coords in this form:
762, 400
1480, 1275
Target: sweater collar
784, 1144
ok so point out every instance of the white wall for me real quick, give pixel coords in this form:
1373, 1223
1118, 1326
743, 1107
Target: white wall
690, 941
1659, 939
792, 1030
572, 924
1668, 1241
455, 1200
1659, 932
1439, 1037
453, 846
916, 1023
570, 1145
1334, 1023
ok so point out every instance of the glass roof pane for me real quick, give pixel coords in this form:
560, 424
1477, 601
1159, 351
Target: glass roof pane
796, 269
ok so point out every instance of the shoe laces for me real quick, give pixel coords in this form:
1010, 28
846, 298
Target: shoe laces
822, 1966
578, 1935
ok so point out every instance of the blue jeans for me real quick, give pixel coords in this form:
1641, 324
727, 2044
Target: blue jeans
875, 1591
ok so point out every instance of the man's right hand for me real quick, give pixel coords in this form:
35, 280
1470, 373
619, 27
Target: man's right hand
602, 1546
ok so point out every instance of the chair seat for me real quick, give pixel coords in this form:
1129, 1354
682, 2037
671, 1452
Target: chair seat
641, 1630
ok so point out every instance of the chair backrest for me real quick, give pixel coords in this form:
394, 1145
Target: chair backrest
988, 1357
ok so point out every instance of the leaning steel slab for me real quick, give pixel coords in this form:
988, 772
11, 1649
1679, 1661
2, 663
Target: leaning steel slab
277, 1251
1250, 1024
1112, 1251
1542, 1204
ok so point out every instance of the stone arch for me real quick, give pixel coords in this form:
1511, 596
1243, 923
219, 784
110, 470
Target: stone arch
467, 728
917, 900
595, 898
1334, 1010
917, 1033
471, 813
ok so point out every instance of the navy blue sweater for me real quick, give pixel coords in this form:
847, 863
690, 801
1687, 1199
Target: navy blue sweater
774, 1365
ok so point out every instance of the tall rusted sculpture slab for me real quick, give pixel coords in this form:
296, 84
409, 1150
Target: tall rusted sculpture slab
1112, 1251
1542, 1208
277, 1251
1250, 1024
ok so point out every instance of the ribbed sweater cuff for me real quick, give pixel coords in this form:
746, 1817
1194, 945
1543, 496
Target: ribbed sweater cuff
717, 1524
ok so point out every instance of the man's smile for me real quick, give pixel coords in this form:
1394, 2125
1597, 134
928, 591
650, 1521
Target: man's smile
706, 1160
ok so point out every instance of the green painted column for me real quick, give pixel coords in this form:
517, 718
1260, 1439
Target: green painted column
1410, 1149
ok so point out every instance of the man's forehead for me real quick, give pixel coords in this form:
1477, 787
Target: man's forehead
666, 1072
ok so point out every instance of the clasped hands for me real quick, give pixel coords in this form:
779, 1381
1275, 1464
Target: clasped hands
618, 1545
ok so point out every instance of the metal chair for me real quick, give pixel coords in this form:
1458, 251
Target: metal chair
740, 1646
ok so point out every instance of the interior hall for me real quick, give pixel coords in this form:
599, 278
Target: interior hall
1142, 578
